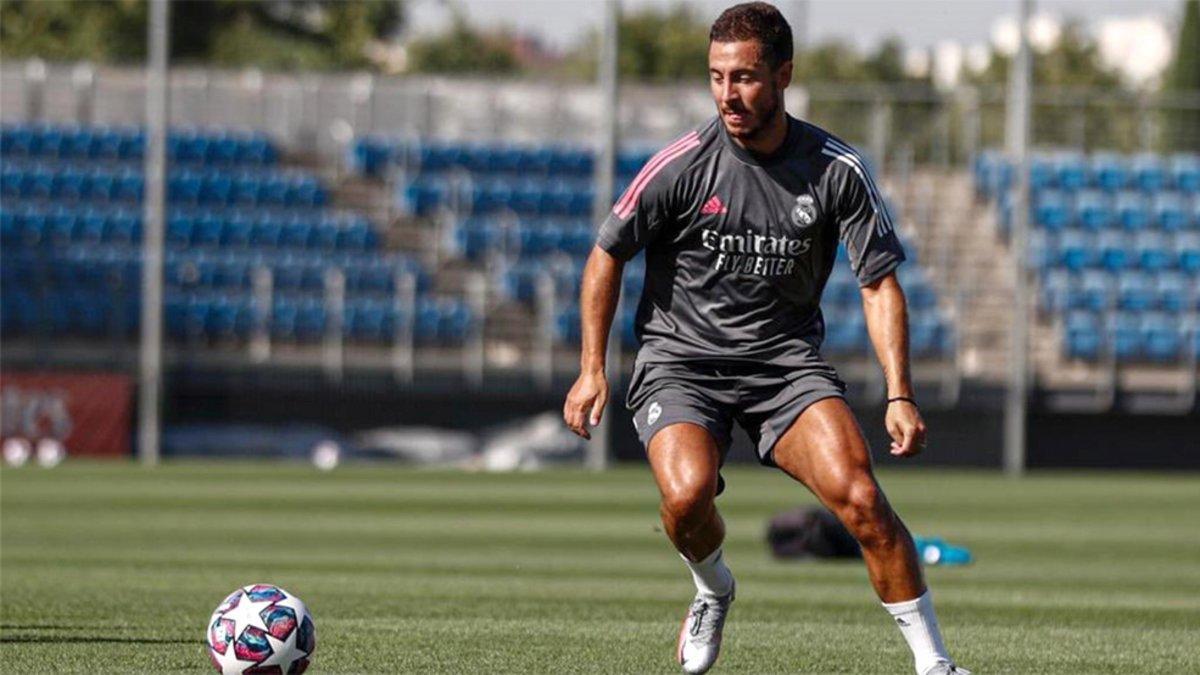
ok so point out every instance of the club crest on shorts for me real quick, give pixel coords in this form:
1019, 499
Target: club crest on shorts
653, 412
804, 211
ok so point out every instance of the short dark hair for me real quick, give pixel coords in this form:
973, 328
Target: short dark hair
756, 21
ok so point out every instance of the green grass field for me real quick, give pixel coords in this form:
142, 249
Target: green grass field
114, 568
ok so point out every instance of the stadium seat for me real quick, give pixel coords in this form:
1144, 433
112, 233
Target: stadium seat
1174, 292
1093, 209
1149, 172
1152, 250
1091, 290
1187, 250
1072, 171
1042, 173
1052, 210
1083, 336
1109, 171
1136, 291
1185, 173
1161, 339
1114, 250
1076, 250
1169, 211
1133, 210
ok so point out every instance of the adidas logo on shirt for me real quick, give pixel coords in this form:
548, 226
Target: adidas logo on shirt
713, 206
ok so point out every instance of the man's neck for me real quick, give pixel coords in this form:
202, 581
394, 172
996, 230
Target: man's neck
770, 140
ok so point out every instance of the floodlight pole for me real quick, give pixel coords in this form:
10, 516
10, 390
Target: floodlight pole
150, 381
1019, 104
599, 450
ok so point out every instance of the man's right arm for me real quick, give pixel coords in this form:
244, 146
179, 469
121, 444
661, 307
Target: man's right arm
598, 297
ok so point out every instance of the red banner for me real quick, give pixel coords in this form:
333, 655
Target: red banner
91, 414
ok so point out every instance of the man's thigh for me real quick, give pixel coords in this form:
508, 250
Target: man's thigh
824, 448
685, 432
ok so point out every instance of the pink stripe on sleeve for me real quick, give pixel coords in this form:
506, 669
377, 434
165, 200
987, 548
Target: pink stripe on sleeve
628, 201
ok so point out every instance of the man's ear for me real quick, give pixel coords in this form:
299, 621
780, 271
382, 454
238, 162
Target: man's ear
783, 75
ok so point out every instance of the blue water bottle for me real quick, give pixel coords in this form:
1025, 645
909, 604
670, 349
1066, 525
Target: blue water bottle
935, 551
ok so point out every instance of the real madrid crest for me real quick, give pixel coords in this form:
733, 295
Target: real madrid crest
804, 212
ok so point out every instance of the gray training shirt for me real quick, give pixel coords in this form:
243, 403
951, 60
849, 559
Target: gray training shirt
739, 247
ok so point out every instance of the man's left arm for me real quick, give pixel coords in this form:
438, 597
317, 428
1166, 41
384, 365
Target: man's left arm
887, 323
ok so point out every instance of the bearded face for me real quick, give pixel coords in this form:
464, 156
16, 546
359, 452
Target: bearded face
747, 91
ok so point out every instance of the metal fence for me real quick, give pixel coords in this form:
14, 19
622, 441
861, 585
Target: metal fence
322, 112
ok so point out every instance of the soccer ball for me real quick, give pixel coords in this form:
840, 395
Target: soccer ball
261, 630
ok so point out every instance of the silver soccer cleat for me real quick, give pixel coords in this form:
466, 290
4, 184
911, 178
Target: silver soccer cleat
700, 636
946, 668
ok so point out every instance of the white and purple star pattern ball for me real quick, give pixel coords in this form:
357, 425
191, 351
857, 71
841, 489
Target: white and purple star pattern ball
261, 630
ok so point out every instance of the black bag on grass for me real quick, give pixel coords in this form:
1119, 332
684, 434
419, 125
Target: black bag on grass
810, 532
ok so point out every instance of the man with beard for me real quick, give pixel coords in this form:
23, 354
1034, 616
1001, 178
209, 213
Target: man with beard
740, 220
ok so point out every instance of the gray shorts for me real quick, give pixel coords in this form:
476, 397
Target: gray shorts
763, 399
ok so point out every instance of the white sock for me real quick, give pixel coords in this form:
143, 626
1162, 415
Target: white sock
711, 575
918, 624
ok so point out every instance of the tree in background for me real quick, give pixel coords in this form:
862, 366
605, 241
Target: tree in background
1092, 107
463, 49
102, 31
277, 35
1183, 124
663, 45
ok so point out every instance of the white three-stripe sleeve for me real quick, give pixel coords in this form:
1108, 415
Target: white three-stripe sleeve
865, 226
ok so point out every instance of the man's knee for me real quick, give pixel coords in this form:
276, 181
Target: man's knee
864, 511
689, 500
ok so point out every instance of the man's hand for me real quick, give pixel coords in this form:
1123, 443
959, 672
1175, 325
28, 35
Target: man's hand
907, 429
585, 402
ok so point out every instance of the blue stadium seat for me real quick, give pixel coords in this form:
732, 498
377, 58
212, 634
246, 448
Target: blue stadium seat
1043, 173
1072, 171
1161, 339
1091, 290
1109, 171
1133, 210
1153, 251
1076, 250
296, 234
237, 229
184, 187
124, 227
421, 196
1169, 211
1185, 173
1136, 291
1114, 250
266, 232
928, 335
206, 229
1187, 250
1149, 172
1052, 210
1126, 334
218, 188
1093, 209
1174, 291
1083, 336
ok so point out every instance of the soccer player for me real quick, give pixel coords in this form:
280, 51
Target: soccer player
740, 220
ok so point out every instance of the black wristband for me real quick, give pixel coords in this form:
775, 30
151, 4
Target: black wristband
903, 398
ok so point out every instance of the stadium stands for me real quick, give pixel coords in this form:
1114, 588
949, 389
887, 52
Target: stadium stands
71, 228
526, 209
1116, 246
